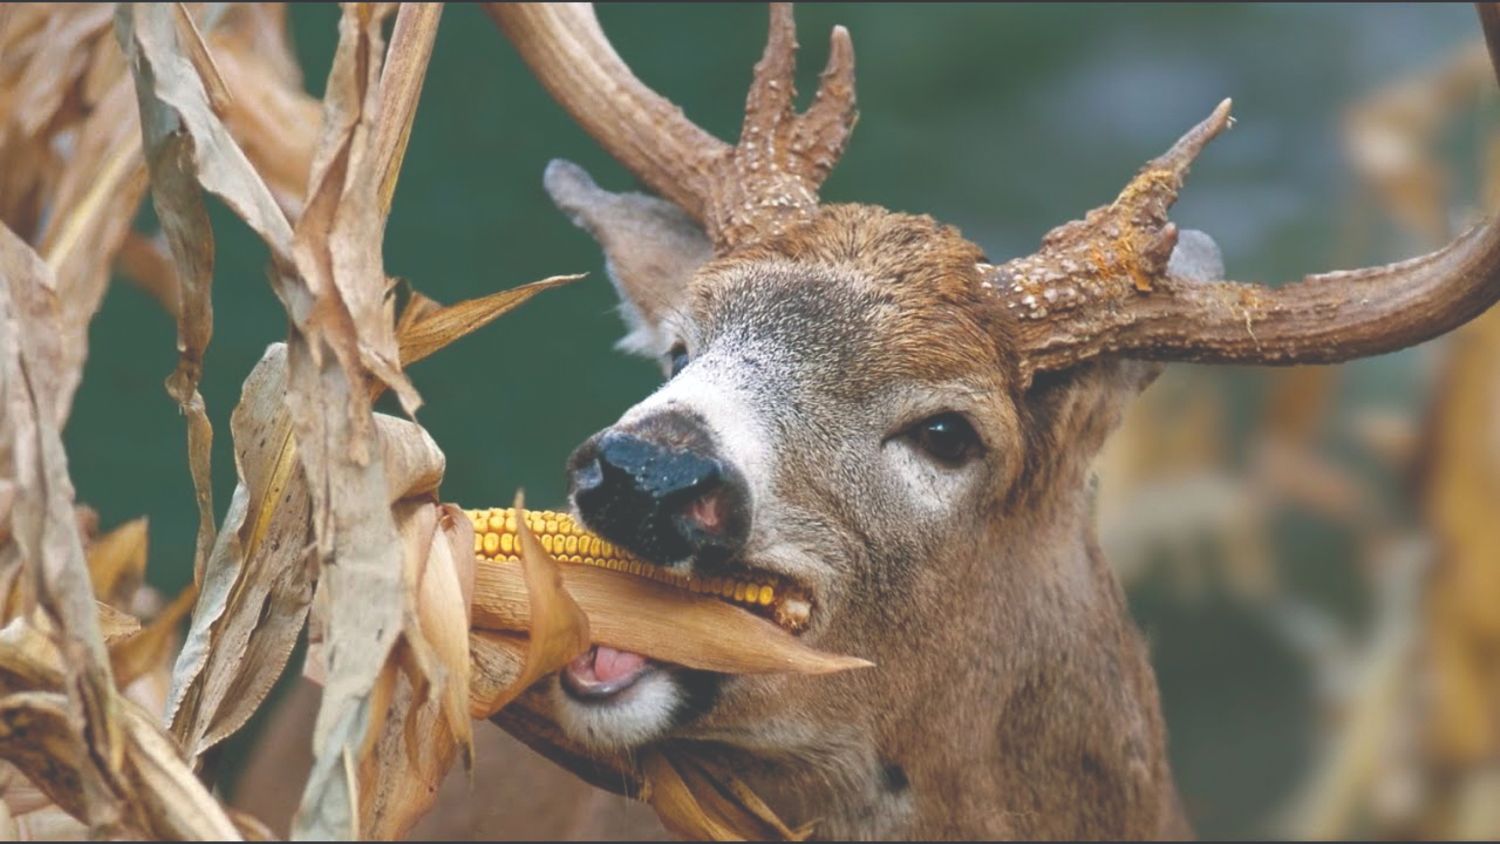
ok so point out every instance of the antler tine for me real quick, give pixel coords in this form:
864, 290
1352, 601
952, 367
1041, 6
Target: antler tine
820, 132
755, 189
773, 86
1102, 286
1155, 188
782, 158
825, 127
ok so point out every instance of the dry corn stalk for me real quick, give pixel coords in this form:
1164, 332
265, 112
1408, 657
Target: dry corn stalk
72, 172
63, 723
73, 177
212, 82
315, 463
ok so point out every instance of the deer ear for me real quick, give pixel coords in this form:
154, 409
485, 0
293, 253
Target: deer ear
651, 249
1196, 257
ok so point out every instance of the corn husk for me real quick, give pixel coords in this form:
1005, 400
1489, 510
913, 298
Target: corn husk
655, 619
531, 617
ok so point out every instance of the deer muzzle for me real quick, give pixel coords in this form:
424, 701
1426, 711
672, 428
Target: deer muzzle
660, 491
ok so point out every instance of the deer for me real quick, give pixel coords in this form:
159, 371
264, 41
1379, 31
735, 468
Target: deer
862, 403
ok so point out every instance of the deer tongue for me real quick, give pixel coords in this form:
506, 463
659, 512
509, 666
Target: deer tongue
611, 665
603, 671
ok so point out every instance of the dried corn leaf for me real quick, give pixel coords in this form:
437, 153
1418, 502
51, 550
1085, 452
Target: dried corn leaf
38, 736
96, 200
426, 723
557, 629
706, 801
71, 173
46, 546
148, 36
400, 88
734, 797
116, 626
153, 792
426, 326
249, 826
660, 621
702, 802
117, 563
496, 659
333, 257
203, 62
678, 807
29, 815
151, 647
694, 795
173, 803
71, 168
334, 350
271, 117
1388, 138
259, 580
171, 154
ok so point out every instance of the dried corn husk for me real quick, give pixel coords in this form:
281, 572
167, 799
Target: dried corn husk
660, 621
569, 606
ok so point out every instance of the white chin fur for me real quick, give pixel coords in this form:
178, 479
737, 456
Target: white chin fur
640, 714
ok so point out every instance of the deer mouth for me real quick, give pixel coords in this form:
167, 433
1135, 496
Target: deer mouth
767, 594
602, 673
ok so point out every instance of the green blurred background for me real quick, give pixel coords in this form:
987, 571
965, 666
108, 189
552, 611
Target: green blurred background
1004, 120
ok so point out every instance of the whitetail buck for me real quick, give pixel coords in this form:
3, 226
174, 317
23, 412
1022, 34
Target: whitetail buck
861, 403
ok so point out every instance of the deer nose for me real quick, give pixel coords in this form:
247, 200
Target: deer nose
657, 497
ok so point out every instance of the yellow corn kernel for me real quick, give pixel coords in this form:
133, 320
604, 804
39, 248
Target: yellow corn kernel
496, 537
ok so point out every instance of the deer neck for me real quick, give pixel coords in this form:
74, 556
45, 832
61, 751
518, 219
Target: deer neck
1041, 719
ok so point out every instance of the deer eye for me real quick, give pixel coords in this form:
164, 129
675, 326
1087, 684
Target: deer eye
947, 437
678, 357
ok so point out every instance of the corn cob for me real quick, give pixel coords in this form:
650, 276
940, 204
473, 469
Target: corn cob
495, 539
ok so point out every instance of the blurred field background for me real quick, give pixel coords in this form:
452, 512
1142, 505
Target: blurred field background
1306, 550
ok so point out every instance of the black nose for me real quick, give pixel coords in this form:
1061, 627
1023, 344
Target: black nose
659, 492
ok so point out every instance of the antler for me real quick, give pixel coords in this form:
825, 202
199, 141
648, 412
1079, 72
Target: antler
757, 188
1103, 285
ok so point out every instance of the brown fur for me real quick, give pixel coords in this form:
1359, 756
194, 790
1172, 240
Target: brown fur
1012, 696
1011, 691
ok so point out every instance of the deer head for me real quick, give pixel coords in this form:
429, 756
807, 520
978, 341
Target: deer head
862, 405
